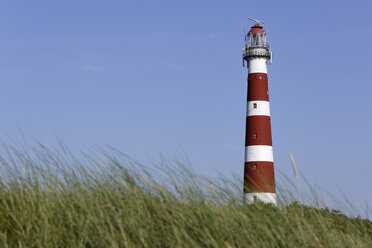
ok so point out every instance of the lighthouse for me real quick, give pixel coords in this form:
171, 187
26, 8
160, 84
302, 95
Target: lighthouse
259, 180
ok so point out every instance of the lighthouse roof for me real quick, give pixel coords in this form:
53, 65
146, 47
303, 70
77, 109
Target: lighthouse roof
256, 29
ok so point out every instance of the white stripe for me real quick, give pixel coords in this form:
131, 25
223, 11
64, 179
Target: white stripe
257, 65
250, 198
258, 108
259, 153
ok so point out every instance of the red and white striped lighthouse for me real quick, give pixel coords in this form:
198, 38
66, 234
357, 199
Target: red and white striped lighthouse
259, 180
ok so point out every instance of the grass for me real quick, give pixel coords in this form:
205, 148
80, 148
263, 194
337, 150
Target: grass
54, 199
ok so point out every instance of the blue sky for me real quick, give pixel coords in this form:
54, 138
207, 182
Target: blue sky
150, 77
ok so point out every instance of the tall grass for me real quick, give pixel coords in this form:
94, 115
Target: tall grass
51, 198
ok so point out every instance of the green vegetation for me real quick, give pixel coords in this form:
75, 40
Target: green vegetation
53, 199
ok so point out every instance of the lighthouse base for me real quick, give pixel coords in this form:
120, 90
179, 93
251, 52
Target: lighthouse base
251, 198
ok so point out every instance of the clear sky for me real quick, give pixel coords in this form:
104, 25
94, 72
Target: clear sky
150, 77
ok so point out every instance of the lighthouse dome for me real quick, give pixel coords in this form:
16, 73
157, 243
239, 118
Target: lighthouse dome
256, 29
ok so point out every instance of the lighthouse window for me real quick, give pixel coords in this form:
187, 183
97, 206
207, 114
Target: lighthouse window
255, 105
255, 77
260, 77
255, 136
254, 167
257, 39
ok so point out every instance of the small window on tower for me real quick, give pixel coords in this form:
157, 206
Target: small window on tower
255, 105
255, 136
255, 77
254, 167
260, 77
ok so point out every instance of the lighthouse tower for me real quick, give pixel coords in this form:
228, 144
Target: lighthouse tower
259, 180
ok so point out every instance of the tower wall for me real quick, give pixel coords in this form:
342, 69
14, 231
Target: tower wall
259, 179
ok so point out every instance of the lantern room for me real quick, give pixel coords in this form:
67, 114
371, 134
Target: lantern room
256, 37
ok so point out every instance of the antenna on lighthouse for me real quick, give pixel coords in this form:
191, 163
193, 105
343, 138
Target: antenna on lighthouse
244, 32
255, 20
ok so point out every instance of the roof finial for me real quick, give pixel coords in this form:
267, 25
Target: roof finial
257, 21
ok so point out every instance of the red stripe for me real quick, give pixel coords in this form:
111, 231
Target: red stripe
259, 177
258, 130
258, 87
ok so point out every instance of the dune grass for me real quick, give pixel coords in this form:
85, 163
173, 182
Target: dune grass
54, 199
